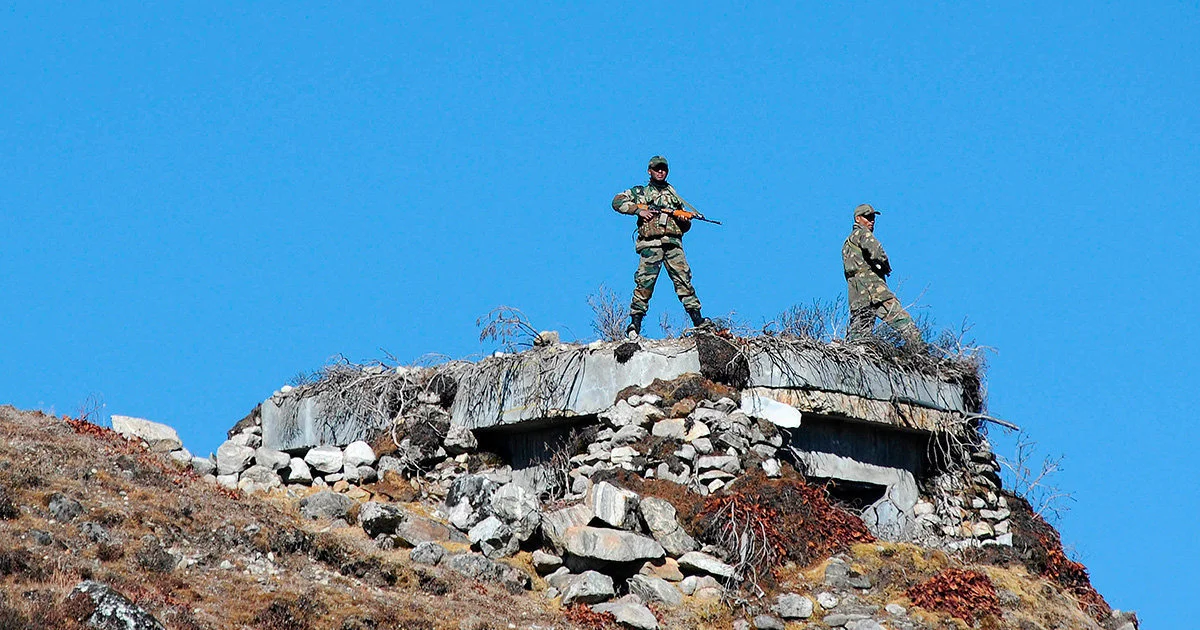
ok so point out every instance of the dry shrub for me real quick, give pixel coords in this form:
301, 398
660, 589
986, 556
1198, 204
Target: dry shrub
610, 314
967, 595
432, 584
109, 552
581, 615
290, 613
812, 528
689, 386
21, 563
151, 556
747, 530
1038, 546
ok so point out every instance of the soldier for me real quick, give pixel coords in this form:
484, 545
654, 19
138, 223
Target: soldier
866, 266
662, 222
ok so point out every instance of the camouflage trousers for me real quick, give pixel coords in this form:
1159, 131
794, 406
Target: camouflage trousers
653, 259
862, 320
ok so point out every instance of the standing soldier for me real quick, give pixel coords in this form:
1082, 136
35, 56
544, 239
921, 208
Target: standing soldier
662, 222
866, 266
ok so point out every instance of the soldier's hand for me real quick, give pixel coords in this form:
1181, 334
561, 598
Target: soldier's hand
646, 213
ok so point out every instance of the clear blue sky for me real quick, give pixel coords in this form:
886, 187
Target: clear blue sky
201, 201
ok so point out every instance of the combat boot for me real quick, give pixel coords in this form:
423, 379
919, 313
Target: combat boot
698, 320
635, 326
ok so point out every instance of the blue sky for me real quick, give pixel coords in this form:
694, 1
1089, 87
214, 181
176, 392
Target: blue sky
203, 200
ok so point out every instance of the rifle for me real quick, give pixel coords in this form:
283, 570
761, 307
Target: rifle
690, 214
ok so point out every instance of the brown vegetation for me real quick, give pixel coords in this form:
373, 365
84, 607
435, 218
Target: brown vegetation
967, 595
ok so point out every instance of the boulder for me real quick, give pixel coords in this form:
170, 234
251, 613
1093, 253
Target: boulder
724, 463
555, 524
325, 459
546, 563
102, 608
429, 553
299, 472
358, 454
63, 508
228, 481
590, 587
477, 567
629, 434
258, 479
610, 545
615, 506
325, 505
160, 437
693, 583
699, 562
181, 456
767, 622
493, 538
653, 589
665, 568
416, 529
459, 440
660, 518
378, 519
271, 458
469, 500
670, 429
367, 474
518, 509
233, 458
203, 466
629, 614
828, 601
793, 606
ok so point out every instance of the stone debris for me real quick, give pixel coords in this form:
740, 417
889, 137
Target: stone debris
159, 438
103, 608
629, 614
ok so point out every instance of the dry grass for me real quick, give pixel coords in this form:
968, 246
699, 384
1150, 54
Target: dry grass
137, 497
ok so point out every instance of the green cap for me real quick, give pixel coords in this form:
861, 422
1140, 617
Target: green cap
658, 161
865, 210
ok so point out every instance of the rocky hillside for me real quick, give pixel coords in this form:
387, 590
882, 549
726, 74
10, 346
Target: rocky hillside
100, 531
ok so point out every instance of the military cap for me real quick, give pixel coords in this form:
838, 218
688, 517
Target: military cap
658, 161
865, 210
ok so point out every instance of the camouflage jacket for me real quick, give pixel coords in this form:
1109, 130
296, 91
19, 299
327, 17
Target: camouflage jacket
662, 228
866, 267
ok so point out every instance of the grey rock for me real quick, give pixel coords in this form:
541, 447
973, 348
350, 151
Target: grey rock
387, 462
610, 545
416, 529
614, 506
838, 574
767, 622
357, 454
350, 473
629, 434
837, 620
228, 481
864, 624
258, 479
741, 624
661, 519
477, 567
469, 500
493, 538
793, 606
518, 509
699, 562
460, 439
271, 458
325, 459
160, 437
828, 601
724, 463
325, 505
555, 524
103, 608
429, 553
896, 610
693, 583
367, 474
94, 532
42, 538
63, 508
703, 445
299, 472
629, 614
378, 519
772, 468
652, 590
182, 456
233, 458
670, 429
334, 478
590, 587
250, 440
560, 578
546, 563
203, 466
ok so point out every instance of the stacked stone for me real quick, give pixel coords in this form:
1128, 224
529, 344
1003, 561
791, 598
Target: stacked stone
243, 463
969, 510
711, 443
160, 438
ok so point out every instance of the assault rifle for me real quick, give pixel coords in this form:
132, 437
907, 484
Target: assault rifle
690, 214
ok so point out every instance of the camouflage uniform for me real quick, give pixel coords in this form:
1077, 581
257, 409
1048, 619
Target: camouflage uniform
659, 242
866, 267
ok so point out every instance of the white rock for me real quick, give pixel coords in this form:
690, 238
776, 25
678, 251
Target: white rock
160, 437
228, 481
233, 458
629, 614
203, 466
670, 429
828, 601
615, 506
325, 459
271, 458
358, 454
772, 468
698, 430
700, 562
298, 472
